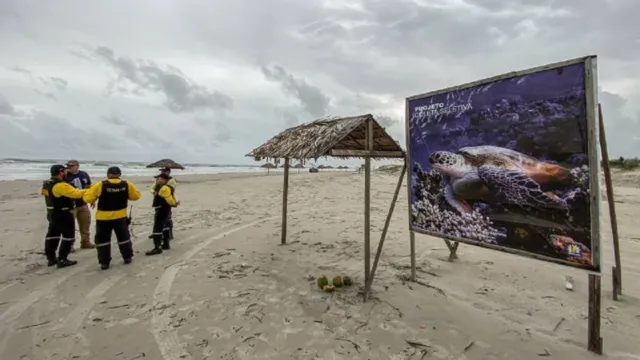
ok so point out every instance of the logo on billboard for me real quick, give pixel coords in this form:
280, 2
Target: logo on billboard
436, 109
574, 250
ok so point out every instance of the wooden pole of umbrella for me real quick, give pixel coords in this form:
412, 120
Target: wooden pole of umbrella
367, 154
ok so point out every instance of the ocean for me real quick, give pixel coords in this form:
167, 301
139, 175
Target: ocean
23, 169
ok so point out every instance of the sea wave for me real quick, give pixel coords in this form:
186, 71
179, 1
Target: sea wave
21, 169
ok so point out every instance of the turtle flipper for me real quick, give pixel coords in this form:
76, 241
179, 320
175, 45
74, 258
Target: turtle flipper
456, 203
515, 187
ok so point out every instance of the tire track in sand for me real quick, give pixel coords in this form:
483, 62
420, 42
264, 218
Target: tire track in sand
74, 320
166, 336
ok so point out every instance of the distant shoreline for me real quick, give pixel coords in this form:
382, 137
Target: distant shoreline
11, 160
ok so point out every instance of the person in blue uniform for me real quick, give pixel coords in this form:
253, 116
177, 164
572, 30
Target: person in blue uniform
113, 196
61, 233
80, 180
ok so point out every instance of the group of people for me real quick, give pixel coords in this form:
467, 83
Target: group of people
68, 195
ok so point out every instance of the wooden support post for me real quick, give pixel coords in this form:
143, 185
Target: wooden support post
594, 340
372, 274
453, 249
367, 202
412, 246
285, 194
412, 235
617, 270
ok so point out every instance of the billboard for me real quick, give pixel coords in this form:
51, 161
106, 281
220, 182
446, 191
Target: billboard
510, 163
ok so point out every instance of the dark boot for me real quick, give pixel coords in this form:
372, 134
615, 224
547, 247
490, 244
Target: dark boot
165, 245
104, 266
155, 251
127, 261
52, 262
62, 263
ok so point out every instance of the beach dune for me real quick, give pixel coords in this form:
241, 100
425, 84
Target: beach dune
228, 290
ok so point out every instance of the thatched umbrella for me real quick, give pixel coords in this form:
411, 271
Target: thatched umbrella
321, 167
268, 166
166, 163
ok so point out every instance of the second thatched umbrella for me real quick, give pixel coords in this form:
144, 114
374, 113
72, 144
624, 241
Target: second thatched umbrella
268, 166
166, 163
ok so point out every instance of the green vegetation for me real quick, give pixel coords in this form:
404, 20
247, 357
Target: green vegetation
390, 169
625, 164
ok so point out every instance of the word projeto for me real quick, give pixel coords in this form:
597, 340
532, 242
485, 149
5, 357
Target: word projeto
437, 109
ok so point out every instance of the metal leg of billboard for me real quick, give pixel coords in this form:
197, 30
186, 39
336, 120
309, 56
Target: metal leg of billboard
453, 249
616, 272
372, 273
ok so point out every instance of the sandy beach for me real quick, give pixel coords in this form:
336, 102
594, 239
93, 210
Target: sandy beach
228, 290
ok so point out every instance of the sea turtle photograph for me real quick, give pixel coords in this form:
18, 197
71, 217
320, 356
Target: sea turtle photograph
506, 164
498, 175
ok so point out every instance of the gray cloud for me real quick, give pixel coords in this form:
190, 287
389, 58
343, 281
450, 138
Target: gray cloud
182, 95
311, 98
386, 121
30, 133
619, 126
221, 132
5, 106
19, 69
144, 139
60, 83
367, 56
290, 119
46, 94
113, 119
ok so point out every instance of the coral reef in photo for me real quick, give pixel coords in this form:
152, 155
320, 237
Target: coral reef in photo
432, 212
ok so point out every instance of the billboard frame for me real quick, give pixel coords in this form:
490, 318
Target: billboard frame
591, 86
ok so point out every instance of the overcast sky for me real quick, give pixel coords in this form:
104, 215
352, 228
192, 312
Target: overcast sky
208, 80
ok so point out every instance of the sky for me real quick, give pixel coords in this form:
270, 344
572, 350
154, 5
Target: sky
207, 80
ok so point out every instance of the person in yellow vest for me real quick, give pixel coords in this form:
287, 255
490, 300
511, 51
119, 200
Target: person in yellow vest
61, 233
163, 201
173, 184
113, 196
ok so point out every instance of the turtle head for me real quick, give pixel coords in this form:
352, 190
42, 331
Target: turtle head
448, 163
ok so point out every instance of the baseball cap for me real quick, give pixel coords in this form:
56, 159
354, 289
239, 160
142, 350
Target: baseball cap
56, 169
162, 176
73, 163
114, 170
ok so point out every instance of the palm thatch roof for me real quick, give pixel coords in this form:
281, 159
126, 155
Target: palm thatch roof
322, 167
318, 138
298, 166
268, 166
166, 163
